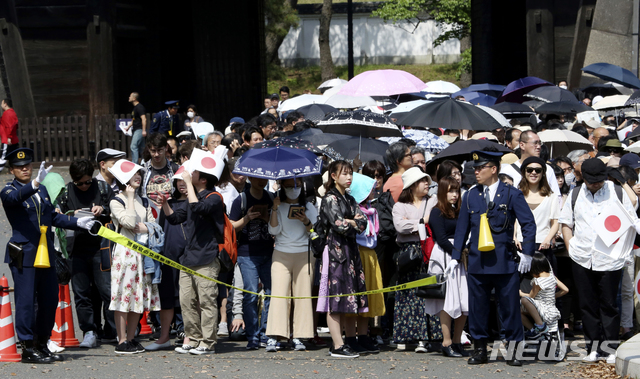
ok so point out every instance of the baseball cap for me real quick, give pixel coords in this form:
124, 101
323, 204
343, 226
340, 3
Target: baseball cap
630, 159
107, 153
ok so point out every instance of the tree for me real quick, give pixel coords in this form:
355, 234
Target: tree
326, 61
280, 15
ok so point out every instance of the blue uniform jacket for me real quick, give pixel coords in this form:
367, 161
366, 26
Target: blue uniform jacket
161, 122
509, 202
21, 210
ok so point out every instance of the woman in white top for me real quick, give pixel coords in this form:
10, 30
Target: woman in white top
292, 217
544, 206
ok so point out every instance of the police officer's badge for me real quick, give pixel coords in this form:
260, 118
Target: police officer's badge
475, 156
20, 155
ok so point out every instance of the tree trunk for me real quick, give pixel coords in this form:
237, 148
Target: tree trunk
465, 77
326, 61
274, 40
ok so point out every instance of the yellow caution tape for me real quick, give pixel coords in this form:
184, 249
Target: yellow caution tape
124, 241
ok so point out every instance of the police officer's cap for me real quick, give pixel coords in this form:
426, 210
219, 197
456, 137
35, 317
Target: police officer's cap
173, 104
481, 157
20, 157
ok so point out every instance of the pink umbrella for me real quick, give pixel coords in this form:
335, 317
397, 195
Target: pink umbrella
382, 83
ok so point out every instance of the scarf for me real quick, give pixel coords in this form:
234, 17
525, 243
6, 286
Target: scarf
373, 225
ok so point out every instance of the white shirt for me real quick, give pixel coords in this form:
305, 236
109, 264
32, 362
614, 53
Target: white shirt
492, 190
516, 175
588, 207
229, 194
546, 211
291, 235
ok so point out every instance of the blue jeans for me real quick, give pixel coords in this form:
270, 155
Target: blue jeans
254, 269
137, 145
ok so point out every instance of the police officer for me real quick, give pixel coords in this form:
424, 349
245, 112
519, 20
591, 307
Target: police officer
164, 121
27, 205
496, 269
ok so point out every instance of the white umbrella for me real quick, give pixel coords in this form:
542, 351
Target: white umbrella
615, 101
561, 142
333, 90
633, 148
440, 86
300, 101
332, 83
409, 106
497, 115
341, 101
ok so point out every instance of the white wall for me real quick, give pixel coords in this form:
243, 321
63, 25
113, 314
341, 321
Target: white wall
374, 42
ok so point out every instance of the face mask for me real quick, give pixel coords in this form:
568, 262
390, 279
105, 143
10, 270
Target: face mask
563, 87
569, 178
190, 114
292, 193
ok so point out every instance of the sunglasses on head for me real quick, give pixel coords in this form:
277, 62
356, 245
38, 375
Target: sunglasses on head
87, 183
537, 170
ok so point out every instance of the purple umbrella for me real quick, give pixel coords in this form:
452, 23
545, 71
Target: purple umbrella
516, 89
382, 83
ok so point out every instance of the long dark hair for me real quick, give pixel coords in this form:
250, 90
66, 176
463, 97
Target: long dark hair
445, 168
336, 167
545, 190
445, 185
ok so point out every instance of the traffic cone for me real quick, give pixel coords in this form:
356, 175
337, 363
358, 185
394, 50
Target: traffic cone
63, 332
8, 351
144, 326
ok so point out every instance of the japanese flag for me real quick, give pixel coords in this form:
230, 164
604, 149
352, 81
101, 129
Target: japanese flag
612, 223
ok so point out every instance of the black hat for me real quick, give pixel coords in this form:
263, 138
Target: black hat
20, 157
274, 96
594, 170
173, 104
481, 157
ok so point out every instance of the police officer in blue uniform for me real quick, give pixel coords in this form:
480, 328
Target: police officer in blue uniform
28, 206
165, 121
496, 269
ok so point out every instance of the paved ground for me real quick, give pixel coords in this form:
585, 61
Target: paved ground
233, 361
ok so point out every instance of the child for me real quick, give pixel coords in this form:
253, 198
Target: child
540, 303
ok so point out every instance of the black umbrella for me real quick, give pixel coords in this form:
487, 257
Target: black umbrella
508, 108
317, 136
550, 94
359, 124
460, 151
533, 103
294, 143
450, 114
316, 112
368, 148
602, 89
611, 72
634, 99
562, 108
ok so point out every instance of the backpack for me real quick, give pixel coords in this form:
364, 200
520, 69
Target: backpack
228, 250
576, 192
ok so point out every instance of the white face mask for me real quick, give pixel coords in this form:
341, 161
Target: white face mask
563, 87
292, 193
190, 114
569, 178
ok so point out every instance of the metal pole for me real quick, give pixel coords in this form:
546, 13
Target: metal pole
634, 37
350, 37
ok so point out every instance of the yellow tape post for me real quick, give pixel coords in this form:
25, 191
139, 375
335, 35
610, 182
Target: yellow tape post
124, 241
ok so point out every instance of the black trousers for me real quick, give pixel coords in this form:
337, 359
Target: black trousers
597, 294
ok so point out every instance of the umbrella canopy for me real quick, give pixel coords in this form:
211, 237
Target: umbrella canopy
616, 74
609, 102
497, 115
404, 108
550, 94
317, 136
601, 89
494, 90
478, 98
294, 143
349, 148
440, 86
359, 123
278, 163
512, 108
301, 101
634, 99
316, 112
561, 142
423, 138
450, 114
460, 151
382, 83
341, 101
562, 108
331, 83
533, 103
516, 89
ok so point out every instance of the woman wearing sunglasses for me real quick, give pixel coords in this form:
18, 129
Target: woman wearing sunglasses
543, 203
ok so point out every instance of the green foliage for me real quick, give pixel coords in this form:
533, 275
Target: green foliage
280, 17
465, 63
453, 16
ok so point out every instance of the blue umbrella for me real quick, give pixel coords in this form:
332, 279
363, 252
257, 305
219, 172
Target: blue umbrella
278, 163
479, 98
423, 138
487, 89
516, 89
611, 72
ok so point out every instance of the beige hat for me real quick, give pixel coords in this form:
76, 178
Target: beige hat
522, 128
509, 158
613, 162
592, 123
484, 135
449, 139
413, 175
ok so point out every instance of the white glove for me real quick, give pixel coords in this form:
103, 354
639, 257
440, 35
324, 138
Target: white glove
525, 263
449, 270
42, 173
86, 222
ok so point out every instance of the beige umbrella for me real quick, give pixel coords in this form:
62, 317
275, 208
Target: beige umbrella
561, 142
615, 101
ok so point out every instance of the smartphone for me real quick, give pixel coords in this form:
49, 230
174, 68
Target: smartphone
293, 210
262, 208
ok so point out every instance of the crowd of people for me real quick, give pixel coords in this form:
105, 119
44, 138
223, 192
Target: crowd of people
544, 274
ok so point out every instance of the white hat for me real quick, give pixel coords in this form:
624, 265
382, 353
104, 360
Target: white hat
201, 129
107, 153
485, 135
178, 174
592, 123
413, 175
123, 170
596, 99
204, 161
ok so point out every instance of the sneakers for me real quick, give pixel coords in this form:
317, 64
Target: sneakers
298, 345
422, 347
54, 347
379, 340
89, 340
611, 359
400, 346
126, 348
322, 329
223, 330
252, 345
184, 349
272, 345
263, 341
201, 350
137, 345
536, 332
317, 341
592, 357
367, 344
344, 351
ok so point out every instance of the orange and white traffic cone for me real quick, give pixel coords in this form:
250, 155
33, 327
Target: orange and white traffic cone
8, 351
63, 332
144, 325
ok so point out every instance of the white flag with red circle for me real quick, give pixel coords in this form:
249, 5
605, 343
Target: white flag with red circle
612, 223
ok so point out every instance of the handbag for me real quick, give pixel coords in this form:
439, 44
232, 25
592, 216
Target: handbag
427, 244
433, 291
409, 258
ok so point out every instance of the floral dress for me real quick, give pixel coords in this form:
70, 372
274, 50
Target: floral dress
345, 274
131, 289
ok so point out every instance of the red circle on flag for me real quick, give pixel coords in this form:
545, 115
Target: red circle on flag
180, 170
208, 162
127, 166
612, 223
